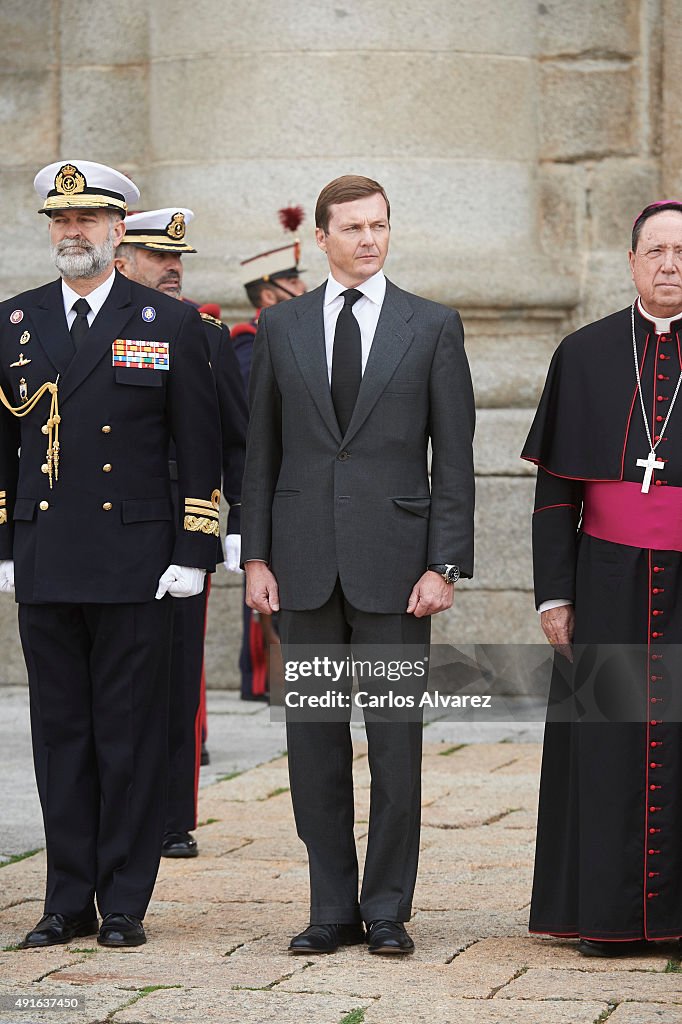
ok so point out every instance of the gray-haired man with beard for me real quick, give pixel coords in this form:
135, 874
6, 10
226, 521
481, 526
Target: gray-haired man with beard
96, 374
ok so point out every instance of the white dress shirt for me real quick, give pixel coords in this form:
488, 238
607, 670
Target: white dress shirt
366, 311
95, 299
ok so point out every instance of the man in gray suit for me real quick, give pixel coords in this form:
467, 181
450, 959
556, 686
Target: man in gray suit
343, 532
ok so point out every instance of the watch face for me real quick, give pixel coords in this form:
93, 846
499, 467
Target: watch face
452, 574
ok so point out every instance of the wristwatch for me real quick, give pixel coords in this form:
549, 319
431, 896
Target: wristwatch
450, 573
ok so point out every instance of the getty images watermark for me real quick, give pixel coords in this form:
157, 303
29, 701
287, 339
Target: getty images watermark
375, 673
603, 683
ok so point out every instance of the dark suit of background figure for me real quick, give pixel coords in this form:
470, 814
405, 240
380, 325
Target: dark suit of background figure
189, 615
253, 661
349, 524
88, 556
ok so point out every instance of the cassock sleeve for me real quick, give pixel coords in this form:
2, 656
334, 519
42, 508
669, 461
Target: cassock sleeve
558, 507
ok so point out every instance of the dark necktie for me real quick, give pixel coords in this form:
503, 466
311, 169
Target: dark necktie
80, 326
346, 360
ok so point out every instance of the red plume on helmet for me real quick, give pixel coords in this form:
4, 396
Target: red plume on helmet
291, 217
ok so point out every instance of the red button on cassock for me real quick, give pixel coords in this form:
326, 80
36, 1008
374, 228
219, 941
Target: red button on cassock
659, 419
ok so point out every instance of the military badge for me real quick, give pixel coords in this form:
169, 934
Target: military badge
23, 390
148, 314
25, 338
175, 229
69, 181
21, 361
17, 316
141, 355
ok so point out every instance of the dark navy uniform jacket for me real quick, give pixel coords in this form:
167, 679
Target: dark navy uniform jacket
106, 530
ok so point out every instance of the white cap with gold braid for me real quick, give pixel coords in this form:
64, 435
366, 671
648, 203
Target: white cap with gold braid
159, 230
82, 184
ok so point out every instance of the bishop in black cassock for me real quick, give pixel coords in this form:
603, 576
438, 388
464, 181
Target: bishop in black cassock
607, 546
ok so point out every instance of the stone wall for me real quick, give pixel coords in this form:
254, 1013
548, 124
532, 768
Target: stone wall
516, 139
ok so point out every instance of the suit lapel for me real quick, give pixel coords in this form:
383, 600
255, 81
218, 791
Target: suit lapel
306, 338
392, 338
106, 326
51, 330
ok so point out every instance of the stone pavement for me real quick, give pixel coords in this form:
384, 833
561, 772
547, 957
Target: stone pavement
219, 925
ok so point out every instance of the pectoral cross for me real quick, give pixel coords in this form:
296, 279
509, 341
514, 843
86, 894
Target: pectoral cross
649, 465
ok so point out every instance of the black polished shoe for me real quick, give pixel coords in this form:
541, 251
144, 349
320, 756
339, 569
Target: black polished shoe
326, 938
56, 929
590, 947
179, 844
121, 930
388, 937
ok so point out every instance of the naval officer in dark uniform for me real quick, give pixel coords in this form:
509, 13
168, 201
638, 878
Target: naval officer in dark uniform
97, 375
151, 253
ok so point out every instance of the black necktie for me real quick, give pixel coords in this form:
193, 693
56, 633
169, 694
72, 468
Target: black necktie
80, 326
346, 360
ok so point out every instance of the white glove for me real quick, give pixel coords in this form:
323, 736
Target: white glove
7, 576
233, 553
181, 581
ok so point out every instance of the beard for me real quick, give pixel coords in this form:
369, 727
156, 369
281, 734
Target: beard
93, 260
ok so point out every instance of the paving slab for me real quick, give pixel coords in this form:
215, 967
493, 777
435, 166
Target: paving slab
645, 1013
612, 986
444, 1010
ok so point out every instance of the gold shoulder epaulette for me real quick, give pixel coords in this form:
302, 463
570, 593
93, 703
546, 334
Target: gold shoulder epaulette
211, 319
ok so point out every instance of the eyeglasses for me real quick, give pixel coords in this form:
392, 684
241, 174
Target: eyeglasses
658, 254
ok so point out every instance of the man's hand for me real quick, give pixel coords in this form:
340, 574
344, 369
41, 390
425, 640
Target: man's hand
430, 594
7, 576
233, 553
558, 625
262, 592
181, 581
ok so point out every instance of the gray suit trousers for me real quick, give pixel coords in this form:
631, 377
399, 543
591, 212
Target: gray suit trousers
321, 774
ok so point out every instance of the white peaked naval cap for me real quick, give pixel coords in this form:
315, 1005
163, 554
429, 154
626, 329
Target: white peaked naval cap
82, 184
159, 230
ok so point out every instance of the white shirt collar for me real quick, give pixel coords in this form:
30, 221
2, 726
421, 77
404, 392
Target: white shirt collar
374, 288
661, 324
96, 298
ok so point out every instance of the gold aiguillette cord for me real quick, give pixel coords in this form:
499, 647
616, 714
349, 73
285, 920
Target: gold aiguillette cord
53, 422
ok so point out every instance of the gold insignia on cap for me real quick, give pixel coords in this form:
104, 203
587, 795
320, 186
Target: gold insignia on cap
69, 180
176, 228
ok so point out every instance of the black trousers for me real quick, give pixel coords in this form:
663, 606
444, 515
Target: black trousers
98, 682
321, 775
184, 721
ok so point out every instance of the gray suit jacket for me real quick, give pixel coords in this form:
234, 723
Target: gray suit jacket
317, 505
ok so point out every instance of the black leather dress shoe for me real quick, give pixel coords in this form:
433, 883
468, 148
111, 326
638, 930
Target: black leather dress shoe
56, 929
326, 938
590, 947
179, 844
388, 937
121, 930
